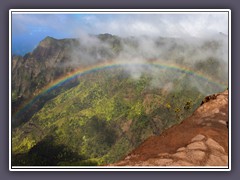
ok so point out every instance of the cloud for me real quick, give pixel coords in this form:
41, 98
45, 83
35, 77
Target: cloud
29, 29
171, 25
196, 39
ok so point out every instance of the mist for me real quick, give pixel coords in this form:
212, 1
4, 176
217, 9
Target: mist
206, 55
197, 42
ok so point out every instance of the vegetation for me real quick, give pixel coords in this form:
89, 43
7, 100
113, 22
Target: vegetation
101, 119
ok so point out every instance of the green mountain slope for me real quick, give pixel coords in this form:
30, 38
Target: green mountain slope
105, 116
54, 58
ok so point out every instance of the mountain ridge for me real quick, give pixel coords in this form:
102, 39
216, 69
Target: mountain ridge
99, 117
199, 140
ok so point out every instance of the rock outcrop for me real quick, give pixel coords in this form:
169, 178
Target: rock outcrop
200, 140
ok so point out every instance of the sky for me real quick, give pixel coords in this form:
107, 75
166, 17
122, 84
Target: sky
29, 29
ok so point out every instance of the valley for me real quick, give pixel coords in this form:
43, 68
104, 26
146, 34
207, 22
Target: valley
68, 114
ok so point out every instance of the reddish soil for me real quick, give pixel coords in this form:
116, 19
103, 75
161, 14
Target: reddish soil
209, 120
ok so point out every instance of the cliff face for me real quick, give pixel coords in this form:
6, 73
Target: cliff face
102, 116
51, 59
200, 140
38, 68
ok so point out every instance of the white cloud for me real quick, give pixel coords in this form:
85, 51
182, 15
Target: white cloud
171, 25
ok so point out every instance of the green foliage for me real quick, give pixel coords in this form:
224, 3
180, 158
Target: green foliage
210, 66
98, 134
117, 151
188, 105
168, 106
136, 110
101, 119
14, 95
46, 153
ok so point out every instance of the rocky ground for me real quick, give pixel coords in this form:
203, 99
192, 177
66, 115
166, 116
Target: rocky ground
200, 140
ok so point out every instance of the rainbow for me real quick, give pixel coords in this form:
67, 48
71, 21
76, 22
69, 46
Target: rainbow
91, 69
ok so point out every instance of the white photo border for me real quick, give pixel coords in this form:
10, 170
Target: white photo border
120, 168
